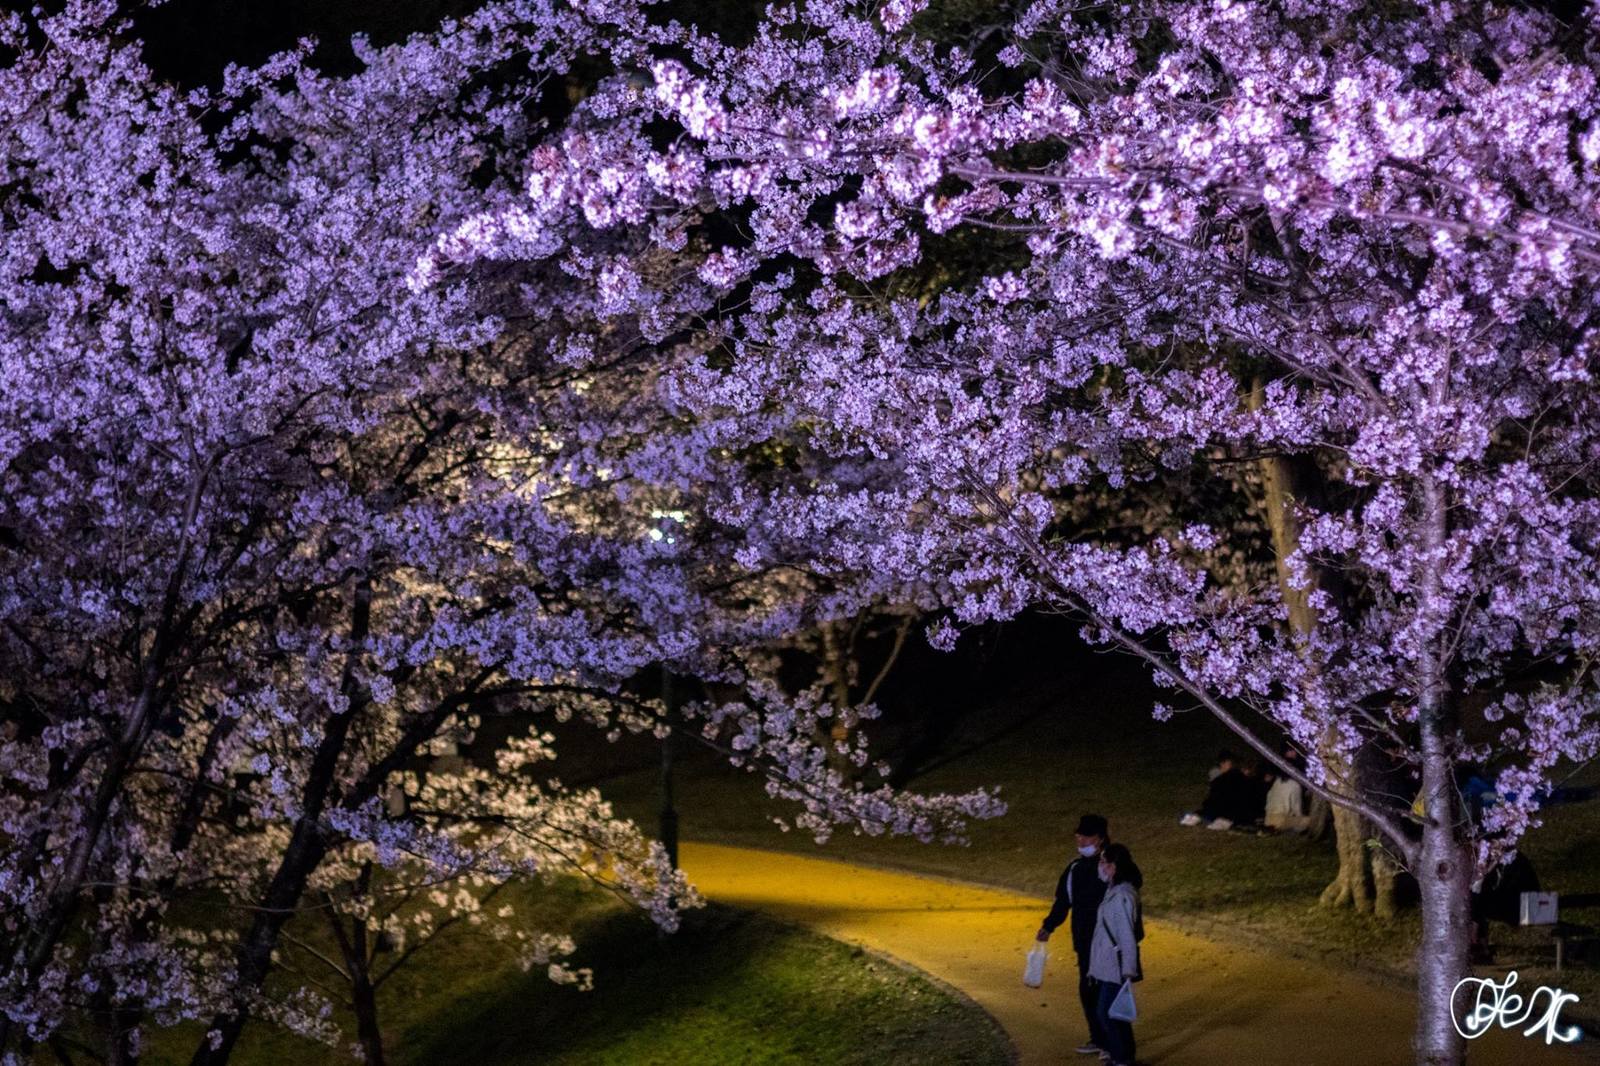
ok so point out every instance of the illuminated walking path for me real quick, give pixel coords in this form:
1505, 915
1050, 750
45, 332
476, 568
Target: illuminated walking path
1203, 1002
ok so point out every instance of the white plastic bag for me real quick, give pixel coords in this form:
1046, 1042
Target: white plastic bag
1033, 972
1122, 1008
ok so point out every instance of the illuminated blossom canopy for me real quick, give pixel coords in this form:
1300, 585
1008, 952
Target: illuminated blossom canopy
1359, 238
367, 402
278, 519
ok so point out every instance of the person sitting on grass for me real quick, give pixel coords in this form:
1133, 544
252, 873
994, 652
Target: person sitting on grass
1286, 799
1114, 952
1079, 892
1225, 762
1233, 798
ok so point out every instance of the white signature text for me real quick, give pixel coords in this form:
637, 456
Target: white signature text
1493, 1003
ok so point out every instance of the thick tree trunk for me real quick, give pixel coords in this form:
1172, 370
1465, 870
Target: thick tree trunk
1366, 877
1444, 864
1351, 887
306, 849
1445, 879
836, 668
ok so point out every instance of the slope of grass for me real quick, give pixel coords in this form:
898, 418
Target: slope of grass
730, 987
727, 987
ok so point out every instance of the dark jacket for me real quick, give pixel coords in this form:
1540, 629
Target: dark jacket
1500, 896
1236, 797
1079, 891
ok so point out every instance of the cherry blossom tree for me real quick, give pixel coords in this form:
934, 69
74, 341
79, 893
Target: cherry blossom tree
343, 410
1355, 237
226, 452
385, 897
280, 511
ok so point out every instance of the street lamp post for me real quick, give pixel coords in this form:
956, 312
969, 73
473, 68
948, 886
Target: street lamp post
669, 811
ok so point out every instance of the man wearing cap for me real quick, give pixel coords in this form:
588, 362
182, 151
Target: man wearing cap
1079, 892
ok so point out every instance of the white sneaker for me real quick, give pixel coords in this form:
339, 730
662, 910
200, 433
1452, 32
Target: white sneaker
1189, 819
1220, 823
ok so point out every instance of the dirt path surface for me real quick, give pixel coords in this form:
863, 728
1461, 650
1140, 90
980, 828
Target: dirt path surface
1202, 1002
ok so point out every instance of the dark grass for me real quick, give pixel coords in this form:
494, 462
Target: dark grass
730, 987
727, 987
1086, 742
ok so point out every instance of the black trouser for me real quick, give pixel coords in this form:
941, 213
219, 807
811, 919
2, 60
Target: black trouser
1089, 996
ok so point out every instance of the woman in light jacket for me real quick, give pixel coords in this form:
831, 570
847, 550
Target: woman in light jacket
1114, 952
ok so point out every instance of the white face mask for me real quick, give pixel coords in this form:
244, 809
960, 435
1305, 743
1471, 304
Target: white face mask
1105, 876
1089, 852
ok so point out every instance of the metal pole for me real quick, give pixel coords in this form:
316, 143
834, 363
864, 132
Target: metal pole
669, 811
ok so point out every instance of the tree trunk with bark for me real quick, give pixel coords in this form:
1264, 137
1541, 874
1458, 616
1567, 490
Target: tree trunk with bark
836, 669
1444, 876
1444, 865
306, 849
1366, 876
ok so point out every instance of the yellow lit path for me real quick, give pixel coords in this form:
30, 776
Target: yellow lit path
1203, 1003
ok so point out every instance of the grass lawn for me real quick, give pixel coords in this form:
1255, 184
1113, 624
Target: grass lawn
1086, 742
728, 987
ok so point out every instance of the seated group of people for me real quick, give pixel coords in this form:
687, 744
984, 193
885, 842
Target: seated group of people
1243, 796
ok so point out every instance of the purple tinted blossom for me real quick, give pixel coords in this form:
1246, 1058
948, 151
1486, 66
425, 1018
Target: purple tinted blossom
896, 14
352, 449
690, 101
1269, 238
726, 268
871, 92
